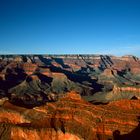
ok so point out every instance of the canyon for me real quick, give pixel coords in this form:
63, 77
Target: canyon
69, 97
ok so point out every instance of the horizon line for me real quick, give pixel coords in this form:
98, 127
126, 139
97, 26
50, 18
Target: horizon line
58, 54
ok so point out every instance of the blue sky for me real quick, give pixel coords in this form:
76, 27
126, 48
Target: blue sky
70, 27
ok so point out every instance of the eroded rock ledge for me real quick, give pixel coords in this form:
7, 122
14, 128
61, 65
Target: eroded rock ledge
70, 118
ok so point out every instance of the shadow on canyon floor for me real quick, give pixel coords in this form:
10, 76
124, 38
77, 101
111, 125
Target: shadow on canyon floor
73, 76
14, 77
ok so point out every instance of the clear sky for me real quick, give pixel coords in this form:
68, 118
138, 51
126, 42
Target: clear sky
70, 27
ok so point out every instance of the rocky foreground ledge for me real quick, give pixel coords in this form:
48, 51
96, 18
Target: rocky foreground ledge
71, 118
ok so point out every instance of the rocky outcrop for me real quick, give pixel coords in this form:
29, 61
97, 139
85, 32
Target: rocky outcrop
22, 133
131, 89
29, 68
69, 118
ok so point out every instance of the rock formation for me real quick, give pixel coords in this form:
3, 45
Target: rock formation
69, 97
69, 118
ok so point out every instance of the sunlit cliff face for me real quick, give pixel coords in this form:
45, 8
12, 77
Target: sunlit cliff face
19, 134
70, 118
